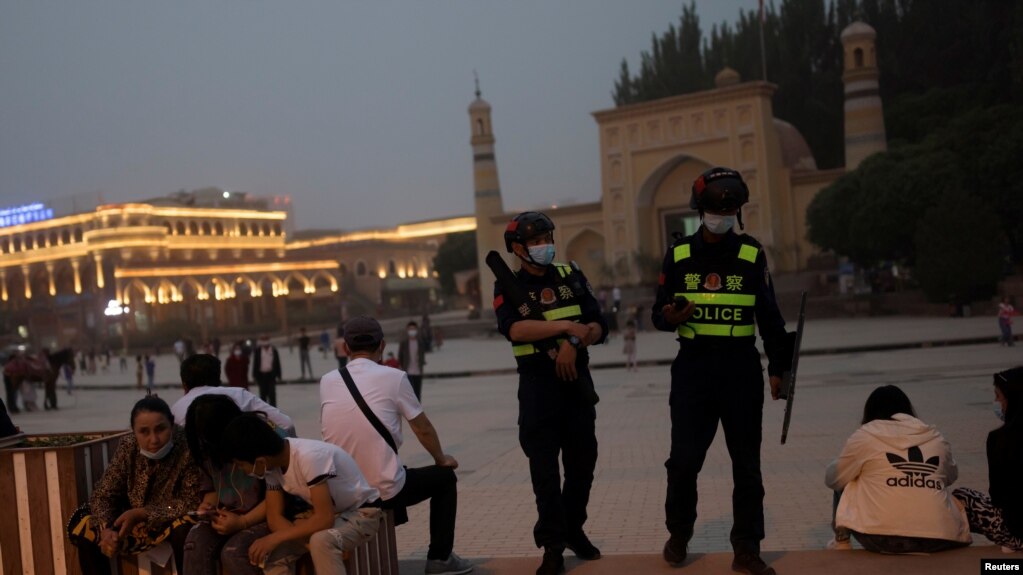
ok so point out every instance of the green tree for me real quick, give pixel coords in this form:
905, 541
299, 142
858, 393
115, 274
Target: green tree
959, 252
457, 253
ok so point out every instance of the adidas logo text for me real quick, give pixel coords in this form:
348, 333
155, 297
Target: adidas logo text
915, 481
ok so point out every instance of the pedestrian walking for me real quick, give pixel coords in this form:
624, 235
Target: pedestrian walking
412, 357
303, 353
1005, 313
266, 370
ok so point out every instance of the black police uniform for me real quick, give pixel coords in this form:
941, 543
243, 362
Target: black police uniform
717, 374
555, 415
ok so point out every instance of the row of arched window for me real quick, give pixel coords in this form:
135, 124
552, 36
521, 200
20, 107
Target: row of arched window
59, 237
24, 242
194, 228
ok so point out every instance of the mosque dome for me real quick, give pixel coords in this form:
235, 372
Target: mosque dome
858, 30
795, 153
726, 77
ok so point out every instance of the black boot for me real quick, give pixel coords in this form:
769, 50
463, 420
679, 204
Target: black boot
582, 547
751, 564
675, 550
553, 562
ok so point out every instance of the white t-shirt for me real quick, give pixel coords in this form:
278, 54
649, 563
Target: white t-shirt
313, 462
389, 395
244, 399
413, 367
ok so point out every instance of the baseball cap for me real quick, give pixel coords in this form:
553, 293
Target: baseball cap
363, 330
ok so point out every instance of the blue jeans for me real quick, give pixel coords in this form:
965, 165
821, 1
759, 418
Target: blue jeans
204, 547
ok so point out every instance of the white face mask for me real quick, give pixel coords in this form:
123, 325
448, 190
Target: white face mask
718, 224
264, 343
159, 454
997, 406
237, 352
542, 254
412, 333
253, 472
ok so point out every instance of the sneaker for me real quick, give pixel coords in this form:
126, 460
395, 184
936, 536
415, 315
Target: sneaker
675, 551
553, 562
751, 564
453, 565
581, 546
839, 545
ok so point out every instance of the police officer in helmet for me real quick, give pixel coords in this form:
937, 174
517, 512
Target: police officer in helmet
714, 287
556, 396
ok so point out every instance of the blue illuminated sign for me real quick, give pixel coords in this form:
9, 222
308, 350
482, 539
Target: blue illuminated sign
25, 214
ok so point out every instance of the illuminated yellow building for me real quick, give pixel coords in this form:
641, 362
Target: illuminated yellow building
226, 264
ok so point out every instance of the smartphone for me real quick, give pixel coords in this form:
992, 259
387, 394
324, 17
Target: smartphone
681, 301
200, 515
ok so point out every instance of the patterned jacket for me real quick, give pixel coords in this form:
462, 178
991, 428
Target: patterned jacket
167, 488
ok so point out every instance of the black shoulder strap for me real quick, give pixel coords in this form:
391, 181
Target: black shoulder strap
372, 417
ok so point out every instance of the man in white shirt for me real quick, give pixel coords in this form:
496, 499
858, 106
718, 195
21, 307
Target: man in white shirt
200, 375
389, 396
345, 508
412, 357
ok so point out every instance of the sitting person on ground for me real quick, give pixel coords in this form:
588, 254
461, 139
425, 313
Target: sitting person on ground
388, 395
894, 474
232, 513
999, 515
345, 509
143, 497
200, 375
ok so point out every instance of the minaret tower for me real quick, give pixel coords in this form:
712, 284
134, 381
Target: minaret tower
487, 188
864, 114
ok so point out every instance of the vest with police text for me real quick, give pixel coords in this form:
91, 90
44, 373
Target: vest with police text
557, 301
723, 288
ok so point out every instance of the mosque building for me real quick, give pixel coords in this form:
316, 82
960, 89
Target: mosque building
651, 152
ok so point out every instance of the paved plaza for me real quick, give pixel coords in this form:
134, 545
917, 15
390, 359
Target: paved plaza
475, 413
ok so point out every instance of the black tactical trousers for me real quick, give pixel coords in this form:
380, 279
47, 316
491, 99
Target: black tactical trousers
707, 385
570, 433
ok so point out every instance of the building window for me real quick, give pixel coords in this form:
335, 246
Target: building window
65, 236
392, 269
193, 228
243, 229
78, 235
277, 229
181, 228
360, 268
219, 229
479, 127
858, 57
206, 229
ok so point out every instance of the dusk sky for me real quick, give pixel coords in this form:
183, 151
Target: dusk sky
357, 111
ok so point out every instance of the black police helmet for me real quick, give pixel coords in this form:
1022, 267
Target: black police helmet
720, 190
526, 226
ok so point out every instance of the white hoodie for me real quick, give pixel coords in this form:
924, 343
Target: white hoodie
896, 476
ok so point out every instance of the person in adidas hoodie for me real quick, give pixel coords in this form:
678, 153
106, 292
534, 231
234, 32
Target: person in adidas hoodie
894, 474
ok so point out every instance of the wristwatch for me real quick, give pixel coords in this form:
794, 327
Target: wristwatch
575, 342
